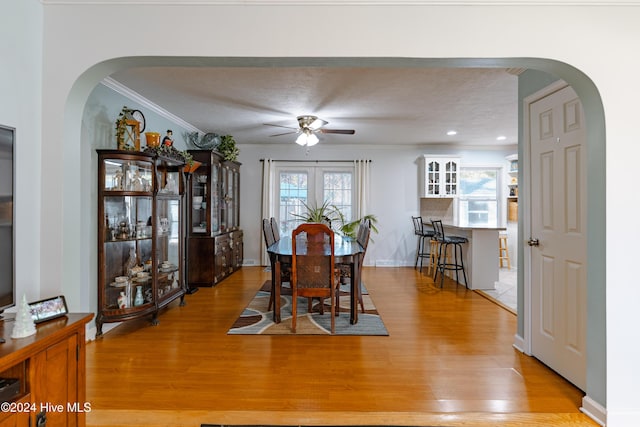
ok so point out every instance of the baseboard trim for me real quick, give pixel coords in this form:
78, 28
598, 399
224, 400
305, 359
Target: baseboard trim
518, 343
594, 410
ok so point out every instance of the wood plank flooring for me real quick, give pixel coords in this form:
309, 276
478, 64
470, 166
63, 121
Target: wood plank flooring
448, 361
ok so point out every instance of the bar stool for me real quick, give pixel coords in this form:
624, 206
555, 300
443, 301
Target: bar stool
420, 231
442, 263
503, 254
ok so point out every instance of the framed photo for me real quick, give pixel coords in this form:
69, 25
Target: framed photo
48, 309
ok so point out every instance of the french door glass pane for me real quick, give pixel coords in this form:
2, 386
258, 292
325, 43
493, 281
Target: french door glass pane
337, 190
294, 190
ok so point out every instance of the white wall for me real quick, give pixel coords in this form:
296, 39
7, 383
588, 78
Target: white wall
20, 108
75, 41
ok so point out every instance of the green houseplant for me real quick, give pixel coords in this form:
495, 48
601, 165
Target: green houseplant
350, 228
323, 213
332, 214
227, 147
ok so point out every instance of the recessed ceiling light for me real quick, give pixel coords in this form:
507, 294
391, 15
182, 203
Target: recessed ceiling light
452, 132
501, 138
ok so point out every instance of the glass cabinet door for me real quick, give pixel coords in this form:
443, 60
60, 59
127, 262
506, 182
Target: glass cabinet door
215, 197
168, 248
127, 237
231, 207
433, 178
451, 178
236, 198
127, 175
199, 205
127, 250
224, 183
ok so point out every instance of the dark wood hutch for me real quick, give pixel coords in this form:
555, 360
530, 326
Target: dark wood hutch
214, 237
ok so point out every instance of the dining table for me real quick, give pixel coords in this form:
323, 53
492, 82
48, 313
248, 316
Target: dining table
347, 252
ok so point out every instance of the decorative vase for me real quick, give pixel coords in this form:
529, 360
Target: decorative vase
139, 300
153, 139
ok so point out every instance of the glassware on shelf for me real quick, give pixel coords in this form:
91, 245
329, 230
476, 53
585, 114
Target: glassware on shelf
139, 300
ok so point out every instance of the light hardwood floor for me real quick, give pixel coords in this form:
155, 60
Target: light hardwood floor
448, 361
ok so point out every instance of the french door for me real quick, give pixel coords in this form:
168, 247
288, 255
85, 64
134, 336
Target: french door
299, 186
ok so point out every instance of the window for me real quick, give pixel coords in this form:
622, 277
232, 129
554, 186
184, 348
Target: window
311, 185
478, 198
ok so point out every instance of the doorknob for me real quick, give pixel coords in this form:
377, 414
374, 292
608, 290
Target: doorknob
533, 242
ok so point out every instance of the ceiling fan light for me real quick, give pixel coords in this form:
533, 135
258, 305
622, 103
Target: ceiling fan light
312, 140
302, 139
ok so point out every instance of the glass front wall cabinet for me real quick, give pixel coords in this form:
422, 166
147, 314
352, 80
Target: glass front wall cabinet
139, 234
214, 241
439, 176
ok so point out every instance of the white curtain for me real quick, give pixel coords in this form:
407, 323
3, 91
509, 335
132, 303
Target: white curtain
362, 174
267, 202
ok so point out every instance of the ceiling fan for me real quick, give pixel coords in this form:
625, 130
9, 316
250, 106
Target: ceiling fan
308, 126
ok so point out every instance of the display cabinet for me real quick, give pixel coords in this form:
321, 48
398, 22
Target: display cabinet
214, 241
439, 176
140, 235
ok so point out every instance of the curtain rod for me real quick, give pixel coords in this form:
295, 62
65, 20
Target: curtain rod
317, 161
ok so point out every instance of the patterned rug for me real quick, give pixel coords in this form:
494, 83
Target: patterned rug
256, 319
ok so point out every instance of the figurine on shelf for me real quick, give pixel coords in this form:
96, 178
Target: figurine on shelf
117, 180
132, 262
136, 182
123, 230
168, 139
123, 301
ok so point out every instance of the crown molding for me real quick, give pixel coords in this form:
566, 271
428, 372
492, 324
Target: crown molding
135, 96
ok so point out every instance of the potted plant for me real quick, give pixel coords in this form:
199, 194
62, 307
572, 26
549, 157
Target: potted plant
325, 213
350, 229
227, 147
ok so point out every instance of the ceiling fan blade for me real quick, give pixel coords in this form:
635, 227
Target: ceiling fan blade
286, 133
340, 131
280, 126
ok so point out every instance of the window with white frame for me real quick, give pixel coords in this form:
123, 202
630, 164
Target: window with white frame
479, 198
312, 185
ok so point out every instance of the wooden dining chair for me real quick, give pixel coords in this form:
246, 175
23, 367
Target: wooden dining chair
275, 229
312, 267
364, 232
269, 240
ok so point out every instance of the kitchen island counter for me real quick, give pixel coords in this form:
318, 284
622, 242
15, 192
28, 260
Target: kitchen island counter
480, 254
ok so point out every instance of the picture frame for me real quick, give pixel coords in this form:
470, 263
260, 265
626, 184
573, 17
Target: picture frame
49, 308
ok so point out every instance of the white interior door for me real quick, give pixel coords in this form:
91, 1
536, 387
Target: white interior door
558, 223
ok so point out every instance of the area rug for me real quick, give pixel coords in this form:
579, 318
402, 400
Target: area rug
257, 320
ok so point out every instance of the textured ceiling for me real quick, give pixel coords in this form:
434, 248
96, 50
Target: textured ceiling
383, 105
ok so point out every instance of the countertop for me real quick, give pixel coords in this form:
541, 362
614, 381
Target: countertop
466, 226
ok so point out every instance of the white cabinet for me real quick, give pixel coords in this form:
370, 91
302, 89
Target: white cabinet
439, 176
